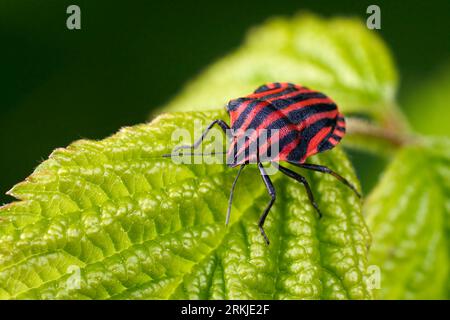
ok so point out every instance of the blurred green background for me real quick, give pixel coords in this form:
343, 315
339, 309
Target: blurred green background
58, 85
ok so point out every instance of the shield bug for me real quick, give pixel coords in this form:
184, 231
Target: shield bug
307, 122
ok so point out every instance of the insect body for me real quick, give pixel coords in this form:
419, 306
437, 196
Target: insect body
306, 122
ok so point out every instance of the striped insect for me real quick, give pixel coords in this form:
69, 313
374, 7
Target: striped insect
307, 122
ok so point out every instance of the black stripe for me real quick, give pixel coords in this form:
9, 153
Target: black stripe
276, 85
280, 123
240, 141
306, 135
289, 89
325, 145
260, 117
294, 117
341, 129
256, 143
235, 103
291, 136
335, 137
265, 87
261, 89
277, 94
300, 115
244, 114
282, 103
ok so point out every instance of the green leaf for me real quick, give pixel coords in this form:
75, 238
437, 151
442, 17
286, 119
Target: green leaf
408, 215
113, 219
339, 57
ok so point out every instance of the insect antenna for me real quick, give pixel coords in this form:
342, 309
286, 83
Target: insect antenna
230, 200
222, 124
225, 128
171, 155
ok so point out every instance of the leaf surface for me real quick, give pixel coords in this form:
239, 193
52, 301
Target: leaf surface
112, 219
408, 215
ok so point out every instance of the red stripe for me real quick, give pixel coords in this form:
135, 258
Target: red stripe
264, 93
294, 106
235, 113
247, 143
289, 95
285, 96
289, 147
255, 135
315, 141
274, 91
284, 151
282, 133
247, 121
333, 141
306, 103
253, 113
316, 117
281, 113
339, 133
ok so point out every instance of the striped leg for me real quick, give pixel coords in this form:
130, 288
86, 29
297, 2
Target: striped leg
323, 169
230, 200
222, 124
302, 179
271, 190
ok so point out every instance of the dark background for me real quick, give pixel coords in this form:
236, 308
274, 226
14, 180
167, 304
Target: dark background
58, 85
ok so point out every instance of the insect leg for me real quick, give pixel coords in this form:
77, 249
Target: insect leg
302, 179
230, 200
323, 169
271, 190
222, 124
